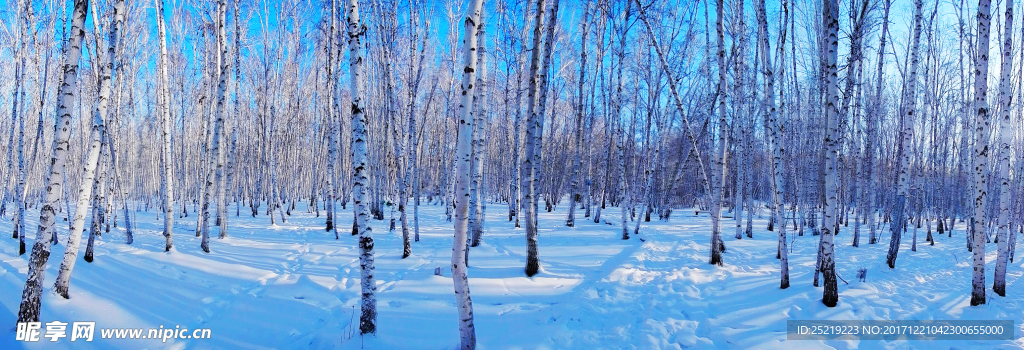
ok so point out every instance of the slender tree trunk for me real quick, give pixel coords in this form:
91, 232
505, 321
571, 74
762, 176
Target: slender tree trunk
222, 205
101, 171
830, 16
91, 183
332, 122
907, 113
718, 176
774, 129
410, 166
467, 331
360, 180
216, 171
29, 308
981, 151
574, 195
739, 89
19, 219
477, 197
534, 131
1005, 138
167, 156
705, 181
872, 199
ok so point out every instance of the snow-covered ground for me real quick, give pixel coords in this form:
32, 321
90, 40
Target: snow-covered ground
294, 286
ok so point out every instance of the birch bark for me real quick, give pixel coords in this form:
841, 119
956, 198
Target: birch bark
467, 331
29, 309
89, 181
360, 180
1005, 138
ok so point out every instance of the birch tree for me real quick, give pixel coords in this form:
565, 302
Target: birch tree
471, 27
774, 127
981, 151
718, 176
1005, 138
19, 190
166, 155
477, 197
332, 122
410, 179
368, 305
907, 114
574, 195
533, 132
29, 309
872, 129
216, 171
830, 16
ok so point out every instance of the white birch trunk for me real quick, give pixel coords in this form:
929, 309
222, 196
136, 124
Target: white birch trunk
620, 134
19, 77
1005, 138
830, 296
410, 165
215, 173
740, 40
705, 181
718, 176
533, 132
101, 171
467, 331
332, 122
774, 130
907, 113
873, 130
981, 152
477, 197
19, 219
29, 309
574, 193
225, 180
89, 184
167, 156
360, 180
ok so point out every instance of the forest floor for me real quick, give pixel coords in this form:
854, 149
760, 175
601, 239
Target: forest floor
293, 285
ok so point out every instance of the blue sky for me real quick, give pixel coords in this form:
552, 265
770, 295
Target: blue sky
901, 17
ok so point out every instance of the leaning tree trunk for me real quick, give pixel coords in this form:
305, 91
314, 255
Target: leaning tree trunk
705, 181
89, 181
981, 150
360, 180
102, 169
467, 331
29, 309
